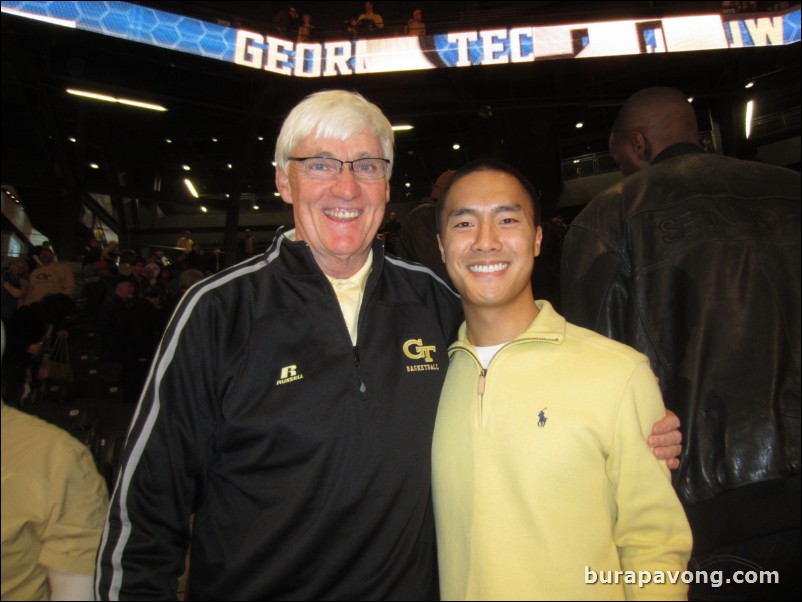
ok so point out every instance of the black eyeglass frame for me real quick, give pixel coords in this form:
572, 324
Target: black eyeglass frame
343, 163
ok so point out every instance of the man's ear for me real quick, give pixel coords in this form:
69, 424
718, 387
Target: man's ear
283, 186
640, 146
538, 240
440, 246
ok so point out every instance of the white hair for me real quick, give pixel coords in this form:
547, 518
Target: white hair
336, 114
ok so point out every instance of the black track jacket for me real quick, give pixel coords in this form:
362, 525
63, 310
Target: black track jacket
305, 460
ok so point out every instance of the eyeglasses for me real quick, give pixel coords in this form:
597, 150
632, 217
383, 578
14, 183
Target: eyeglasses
328, 168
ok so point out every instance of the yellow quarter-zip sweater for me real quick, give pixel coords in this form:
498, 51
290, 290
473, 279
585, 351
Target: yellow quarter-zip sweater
542, 477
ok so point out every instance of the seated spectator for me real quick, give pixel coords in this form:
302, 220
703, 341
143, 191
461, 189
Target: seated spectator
195, 259
141, 283
180, 263
214, 261
185, 242
247, 246
415, 26
144, 326
112, 320
151, 273
187, 279
49, 278
92, 252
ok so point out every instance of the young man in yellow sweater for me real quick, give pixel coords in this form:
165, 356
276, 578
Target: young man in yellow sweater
544, 485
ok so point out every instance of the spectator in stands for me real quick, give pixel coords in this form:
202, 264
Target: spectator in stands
418, 238
49, 278
187, 279
54, 506
185, 242
144, 325
151, 273
15, 285
109, 258
286, 22
415, 26
390, 232
180, 262
168, 284
214, 261
247, 246
112, 320
141, 283
92, 252
368, 22
307, 32
195, 259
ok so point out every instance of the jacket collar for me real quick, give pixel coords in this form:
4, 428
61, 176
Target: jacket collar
547, 327
675, 150
300, 249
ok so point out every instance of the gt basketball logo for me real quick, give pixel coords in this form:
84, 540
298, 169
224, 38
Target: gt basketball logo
289, 374
414, 349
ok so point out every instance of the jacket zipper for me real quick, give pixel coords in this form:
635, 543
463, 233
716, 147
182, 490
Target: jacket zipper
482, 381
362, 387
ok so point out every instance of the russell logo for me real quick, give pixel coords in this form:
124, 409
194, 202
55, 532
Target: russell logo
289, 374
414, 349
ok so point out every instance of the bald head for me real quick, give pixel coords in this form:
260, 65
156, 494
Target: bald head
649, 122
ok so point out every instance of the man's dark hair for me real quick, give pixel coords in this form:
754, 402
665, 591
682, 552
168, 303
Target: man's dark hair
488, 164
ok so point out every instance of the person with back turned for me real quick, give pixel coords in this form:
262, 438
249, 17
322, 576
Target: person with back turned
694, 260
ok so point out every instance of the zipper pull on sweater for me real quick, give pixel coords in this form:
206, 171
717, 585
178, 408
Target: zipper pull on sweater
481, 387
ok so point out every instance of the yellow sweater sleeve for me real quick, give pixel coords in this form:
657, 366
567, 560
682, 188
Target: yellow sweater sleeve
651, 531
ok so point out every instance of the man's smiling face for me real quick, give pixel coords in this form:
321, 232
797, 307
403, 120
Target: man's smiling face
489, 241
337, 218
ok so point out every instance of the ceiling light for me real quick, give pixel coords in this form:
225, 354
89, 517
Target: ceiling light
407, 184
579, 125
141, 105
94, 166
256, 207
456, 146
230, 166
228, 196
276, 194
204, 209
191, 188
750, 107
403, 128
690, 99
749, 85
107, 98
168, 140
72, 139
186, 167
214, 139
260, 138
